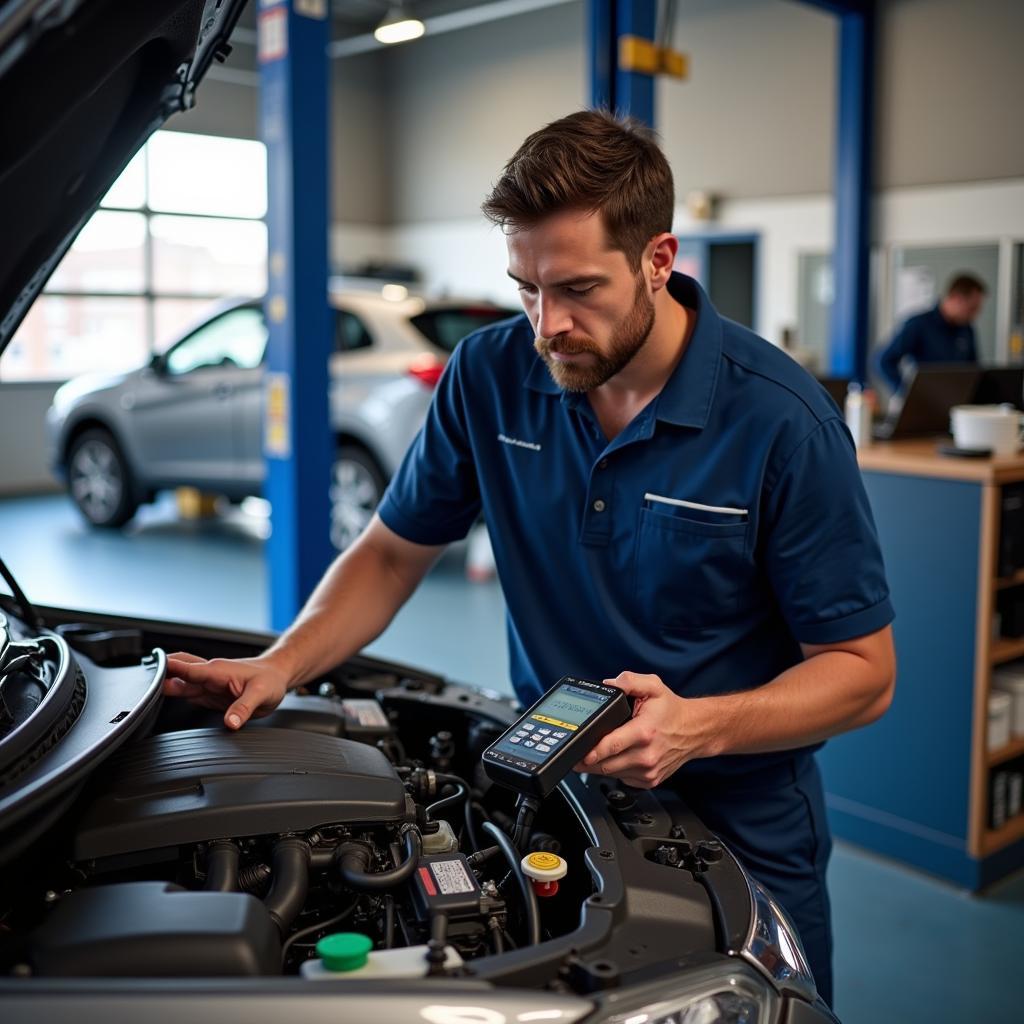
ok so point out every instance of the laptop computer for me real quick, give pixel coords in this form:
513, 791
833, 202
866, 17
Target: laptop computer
1001, 385
929, 392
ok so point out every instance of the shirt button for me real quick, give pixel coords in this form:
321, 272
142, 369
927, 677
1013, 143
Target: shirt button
599, 505
603, 464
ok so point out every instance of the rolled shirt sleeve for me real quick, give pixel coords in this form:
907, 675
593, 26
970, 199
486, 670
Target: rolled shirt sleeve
821, 548
434, 498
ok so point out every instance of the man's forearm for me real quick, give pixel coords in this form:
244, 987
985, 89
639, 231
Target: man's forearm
351, 606
827, 694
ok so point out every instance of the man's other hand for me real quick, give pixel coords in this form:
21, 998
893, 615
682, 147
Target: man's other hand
653, 743
242, 688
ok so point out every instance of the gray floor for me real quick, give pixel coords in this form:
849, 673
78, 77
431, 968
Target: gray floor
908, 948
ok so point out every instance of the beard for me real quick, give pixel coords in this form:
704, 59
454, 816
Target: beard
628, 338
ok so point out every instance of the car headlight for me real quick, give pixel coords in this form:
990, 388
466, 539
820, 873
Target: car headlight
773, 946
716, 994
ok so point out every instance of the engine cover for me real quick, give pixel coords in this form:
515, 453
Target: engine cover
186, 787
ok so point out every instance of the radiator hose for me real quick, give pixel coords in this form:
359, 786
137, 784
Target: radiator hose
354, 859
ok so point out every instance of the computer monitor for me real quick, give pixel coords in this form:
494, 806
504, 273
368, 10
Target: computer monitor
1001, 385
929, 393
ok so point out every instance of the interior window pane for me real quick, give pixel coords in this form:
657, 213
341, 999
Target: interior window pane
202, 256
107, 256
130, 187
62, 337
173, 318
235, 339
191, 173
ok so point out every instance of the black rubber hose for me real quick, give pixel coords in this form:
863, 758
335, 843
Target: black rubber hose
222, 867
529, 896
289, 882
353, 860
322, 857
497, 941
448, 801
528, 808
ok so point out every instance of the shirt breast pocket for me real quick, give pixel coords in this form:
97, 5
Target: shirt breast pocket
689, 573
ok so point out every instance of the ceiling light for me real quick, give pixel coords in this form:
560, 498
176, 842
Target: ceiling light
398, 26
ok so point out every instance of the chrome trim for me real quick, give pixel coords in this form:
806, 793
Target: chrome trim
773, 946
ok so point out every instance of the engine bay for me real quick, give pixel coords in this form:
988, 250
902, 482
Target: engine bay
142, 839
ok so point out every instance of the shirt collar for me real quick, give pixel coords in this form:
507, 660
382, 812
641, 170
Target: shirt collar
686, 398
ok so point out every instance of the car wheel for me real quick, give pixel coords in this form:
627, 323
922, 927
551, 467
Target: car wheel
99, 480
357, 485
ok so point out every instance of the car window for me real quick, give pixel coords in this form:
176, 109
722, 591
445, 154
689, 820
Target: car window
236, 338
448, 326
350, 332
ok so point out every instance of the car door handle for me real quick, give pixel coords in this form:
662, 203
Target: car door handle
222, 390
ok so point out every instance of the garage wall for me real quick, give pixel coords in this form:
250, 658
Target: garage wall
950, 161
755, 117
461, 103
23, 465
950, 91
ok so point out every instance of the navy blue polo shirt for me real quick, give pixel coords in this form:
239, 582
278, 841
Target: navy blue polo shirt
724, 526
927, 338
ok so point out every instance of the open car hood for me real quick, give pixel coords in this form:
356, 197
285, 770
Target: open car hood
83, 84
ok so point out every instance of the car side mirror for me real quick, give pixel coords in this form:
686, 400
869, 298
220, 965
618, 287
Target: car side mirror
156, 363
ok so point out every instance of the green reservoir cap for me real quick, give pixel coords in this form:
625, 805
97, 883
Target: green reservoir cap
344, 951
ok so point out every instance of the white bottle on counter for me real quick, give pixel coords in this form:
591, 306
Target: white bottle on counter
857, 412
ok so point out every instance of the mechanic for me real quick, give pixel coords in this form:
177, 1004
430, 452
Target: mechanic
675, 507
943, 334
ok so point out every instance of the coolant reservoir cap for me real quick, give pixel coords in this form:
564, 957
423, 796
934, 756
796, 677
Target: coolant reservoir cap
544, 867
344, 951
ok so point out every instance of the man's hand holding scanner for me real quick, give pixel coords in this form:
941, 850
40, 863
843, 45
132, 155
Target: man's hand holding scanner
242, 688
659, 738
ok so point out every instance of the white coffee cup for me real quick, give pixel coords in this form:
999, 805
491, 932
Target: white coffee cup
996, 427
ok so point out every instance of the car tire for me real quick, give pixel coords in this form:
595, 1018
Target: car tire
357, 485
99, 480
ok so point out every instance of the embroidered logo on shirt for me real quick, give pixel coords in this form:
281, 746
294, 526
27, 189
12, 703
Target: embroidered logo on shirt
516, 443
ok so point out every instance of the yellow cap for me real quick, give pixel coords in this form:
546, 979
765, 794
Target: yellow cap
544, 867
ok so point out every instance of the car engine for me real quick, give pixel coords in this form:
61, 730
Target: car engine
140, 839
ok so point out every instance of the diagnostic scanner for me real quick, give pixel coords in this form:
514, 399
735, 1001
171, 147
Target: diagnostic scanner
537, 752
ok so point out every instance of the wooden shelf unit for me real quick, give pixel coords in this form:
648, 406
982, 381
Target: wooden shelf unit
939, 523
996, 839
1010, 581
1004, 650
985, 840
1015, 748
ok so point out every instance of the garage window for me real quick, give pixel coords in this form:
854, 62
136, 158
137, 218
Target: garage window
180, 229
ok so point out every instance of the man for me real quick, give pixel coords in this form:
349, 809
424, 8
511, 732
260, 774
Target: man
943, 334
675, 507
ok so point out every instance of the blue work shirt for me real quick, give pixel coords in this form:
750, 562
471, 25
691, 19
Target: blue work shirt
723, 526
927, 338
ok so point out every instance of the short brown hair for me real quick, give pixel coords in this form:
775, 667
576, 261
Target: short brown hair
589, 161
966, 285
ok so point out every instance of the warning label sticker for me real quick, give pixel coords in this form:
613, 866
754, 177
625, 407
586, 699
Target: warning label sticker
451, 876
365, 712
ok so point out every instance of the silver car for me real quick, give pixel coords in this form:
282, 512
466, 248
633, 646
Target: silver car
193, 416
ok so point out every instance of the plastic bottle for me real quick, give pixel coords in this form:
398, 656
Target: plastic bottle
858, 415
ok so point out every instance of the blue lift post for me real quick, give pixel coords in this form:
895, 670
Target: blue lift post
621, 91
297, 443
848, 328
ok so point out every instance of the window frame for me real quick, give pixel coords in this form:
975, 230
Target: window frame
149, 295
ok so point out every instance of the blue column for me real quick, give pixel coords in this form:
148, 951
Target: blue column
603, 53
624, 92
634, 92
848, 330
297, 444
